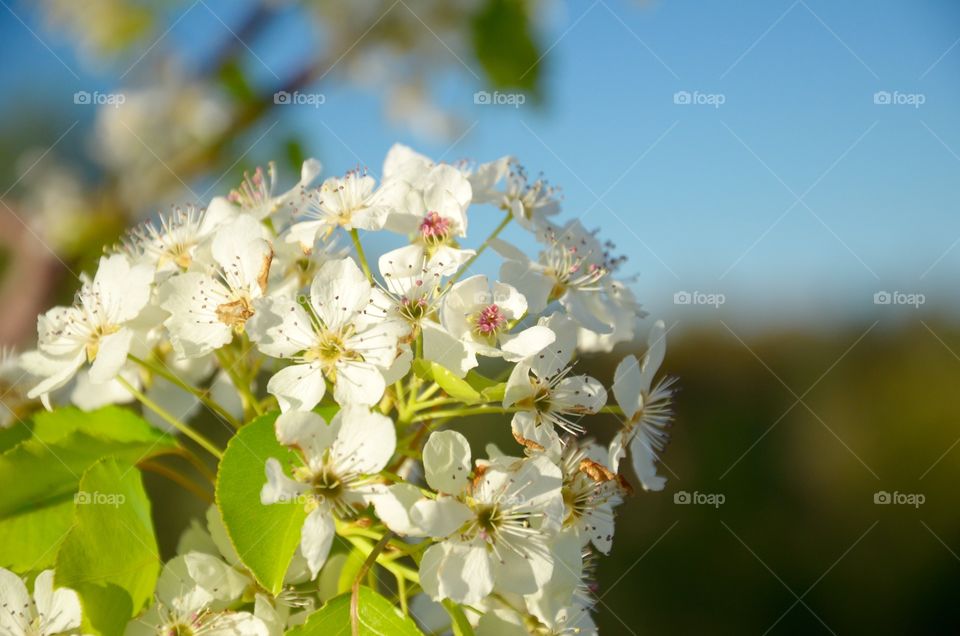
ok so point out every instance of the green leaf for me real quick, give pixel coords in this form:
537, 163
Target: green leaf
461, 626
503, 42
490, 390
110, 555
265, 537
454, 387
377, 617
42, 473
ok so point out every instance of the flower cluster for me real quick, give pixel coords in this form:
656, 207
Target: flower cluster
265, 300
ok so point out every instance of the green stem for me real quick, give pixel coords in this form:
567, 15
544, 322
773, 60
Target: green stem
477, 410
616, 410
171, 420
203, 396
248, 399
178, 479
483, 246
361, 255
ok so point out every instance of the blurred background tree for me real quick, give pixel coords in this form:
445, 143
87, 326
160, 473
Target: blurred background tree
798, 426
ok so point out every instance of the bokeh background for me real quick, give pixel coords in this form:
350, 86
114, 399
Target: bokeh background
781, 173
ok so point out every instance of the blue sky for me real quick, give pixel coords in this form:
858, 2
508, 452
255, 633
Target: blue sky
797, 198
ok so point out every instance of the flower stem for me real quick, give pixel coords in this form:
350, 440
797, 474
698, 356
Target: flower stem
247, 397
361, 255
476, 410
355, 591
178, 479
201, 395
171, 420
483, 246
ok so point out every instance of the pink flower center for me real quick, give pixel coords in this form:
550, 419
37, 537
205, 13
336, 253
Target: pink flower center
490, 320
434, 227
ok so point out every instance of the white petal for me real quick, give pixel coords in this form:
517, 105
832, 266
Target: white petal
519, 386
442, 347
528, 432
528, 342
644, 462
279, 488
242, 252
446, 462
316, 539
192, 300
440, 517
458, 571
656, 350
215, 576
63, 369
235, 624
393, 507
310, 170
579, 394
365, 441
307, 431
554, 358
299, 387
17, 611
281, 327
358, 383
111, 356
532, 283
339, 292
401, 365
123, 290
509, 300
628, 386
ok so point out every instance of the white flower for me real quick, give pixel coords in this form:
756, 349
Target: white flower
434, 215
49, 612
206, 309
493, 531
413, 289
407, 166
529, 203
337, 474
194, 594
478, 321
550, 398
255, 195
172, 244
341, 335
349, 202
647, 409
574, 269
95, 329
591, 490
